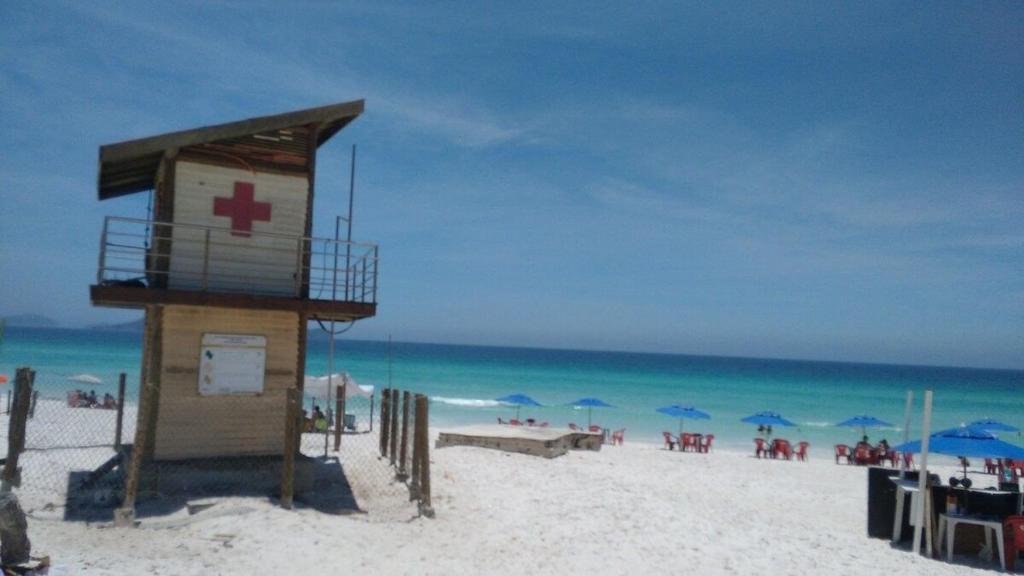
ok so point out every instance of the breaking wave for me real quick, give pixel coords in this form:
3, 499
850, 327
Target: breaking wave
465, 402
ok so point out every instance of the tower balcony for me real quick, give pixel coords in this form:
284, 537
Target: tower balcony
145, 262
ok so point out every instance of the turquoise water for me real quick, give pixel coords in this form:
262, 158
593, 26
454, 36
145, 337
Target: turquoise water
464, 380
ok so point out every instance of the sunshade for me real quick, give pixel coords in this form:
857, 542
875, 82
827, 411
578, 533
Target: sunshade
993, 425
863, 422
683, 412
317, 386
966, 441
767, 419
590, 404
86, 379
519, 400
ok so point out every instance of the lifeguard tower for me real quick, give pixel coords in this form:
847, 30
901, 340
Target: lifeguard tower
228, 274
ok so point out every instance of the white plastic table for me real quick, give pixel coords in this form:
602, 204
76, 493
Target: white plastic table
989, 524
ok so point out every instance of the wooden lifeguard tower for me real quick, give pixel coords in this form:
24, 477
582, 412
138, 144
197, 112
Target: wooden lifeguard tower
228, 274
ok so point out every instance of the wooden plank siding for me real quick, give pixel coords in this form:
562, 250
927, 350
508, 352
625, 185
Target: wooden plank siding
194, 426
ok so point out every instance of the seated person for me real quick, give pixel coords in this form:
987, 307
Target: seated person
319, 420
109, 402
91, 399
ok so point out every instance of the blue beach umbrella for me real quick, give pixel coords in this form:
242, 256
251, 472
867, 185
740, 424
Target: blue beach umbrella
993, 425
682, 412
966, 441
864, 421
590, 404
519, 400
767, 418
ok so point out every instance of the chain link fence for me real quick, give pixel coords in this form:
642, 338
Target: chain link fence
73, 457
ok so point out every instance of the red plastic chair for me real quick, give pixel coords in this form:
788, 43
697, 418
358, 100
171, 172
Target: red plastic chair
782, 449
843, 451
801, 451
862, 455
618, 436
670, 440
760, 447
893, 457
688, 442
908, 460
1013, 539
515, 422
573, 427
594, 429
705, 445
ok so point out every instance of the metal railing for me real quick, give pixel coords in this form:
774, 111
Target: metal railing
146, 253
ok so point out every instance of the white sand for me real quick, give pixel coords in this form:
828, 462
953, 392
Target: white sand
636, 509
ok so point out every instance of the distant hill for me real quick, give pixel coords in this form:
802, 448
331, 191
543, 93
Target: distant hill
131, 326
31, 321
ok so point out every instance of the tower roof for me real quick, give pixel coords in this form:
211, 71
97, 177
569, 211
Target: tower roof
131, 166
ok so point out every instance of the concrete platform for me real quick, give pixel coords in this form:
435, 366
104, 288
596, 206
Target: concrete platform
532, 440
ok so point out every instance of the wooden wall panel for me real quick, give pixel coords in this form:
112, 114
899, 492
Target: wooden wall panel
237, 263
194, 426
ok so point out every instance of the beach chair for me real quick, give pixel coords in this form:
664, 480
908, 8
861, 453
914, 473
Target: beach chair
782, 449
705, 445
843, 451
688, 442
670, 440
801, 451
862, 455
908, 460
893, 457
760, 447
515, 422
1013, 539
618, 436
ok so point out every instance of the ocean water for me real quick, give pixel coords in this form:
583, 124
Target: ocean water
463, 382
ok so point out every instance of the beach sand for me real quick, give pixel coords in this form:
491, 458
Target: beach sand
636, 509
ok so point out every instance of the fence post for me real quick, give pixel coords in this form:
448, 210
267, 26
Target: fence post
291, 413
339, 414
371, 412
385, 418
393, 436
422, 419
23, 381
403, 473
8, 402
120, 411
32, 407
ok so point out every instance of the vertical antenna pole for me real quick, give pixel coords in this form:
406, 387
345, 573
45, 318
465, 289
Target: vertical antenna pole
348, 244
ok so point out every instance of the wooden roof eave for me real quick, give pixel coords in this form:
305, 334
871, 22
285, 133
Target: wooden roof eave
116, 159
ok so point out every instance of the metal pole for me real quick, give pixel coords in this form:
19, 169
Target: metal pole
351, 197
922, 482
906, 430
330, 345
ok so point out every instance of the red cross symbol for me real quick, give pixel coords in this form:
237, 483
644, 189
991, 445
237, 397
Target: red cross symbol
242, 209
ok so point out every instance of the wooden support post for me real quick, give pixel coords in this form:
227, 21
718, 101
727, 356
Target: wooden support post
24, 379
385, 418
422, 419
8, 402
119, 427
403, 472
393, 436
339, 415
32, 407
293, 404
125, 515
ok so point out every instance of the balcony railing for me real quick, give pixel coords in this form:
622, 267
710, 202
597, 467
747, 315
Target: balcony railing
145, 253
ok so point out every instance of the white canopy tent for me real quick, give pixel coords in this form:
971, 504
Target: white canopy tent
317, 386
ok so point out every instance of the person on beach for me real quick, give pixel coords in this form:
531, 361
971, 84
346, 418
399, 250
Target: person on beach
319, 420
91, 399
108, 402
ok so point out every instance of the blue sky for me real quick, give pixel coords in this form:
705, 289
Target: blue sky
830, 181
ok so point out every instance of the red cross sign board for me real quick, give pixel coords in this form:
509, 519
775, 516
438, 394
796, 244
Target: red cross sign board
242, 208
